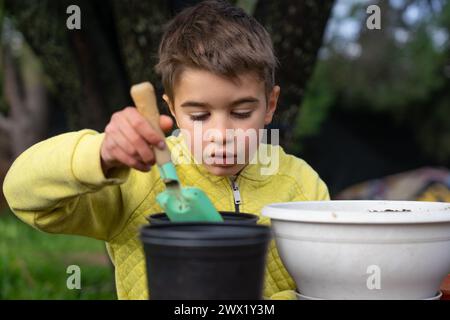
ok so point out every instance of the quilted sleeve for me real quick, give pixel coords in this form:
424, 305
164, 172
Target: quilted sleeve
58, 186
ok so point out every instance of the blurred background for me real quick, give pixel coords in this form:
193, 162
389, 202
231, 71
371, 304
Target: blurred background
369, 109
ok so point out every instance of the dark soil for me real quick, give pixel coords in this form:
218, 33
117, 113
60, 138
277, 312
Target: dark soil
391, 210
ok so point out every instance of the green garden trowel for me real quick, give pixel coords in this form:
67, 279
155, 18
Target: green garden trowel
181, 204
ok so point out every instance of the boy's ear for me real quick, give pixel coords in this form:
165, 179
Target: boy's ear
272, 104
171, 107
169, 104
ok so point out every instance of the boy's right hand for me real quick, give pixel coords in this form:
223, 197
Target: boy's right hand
129, 139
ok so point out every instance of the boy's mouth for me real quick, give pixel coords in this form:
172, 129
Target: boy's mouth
223, 159
223, 155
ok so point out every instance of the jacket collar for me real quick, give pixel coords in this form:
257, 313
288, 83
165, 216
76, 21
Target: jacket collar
256, 170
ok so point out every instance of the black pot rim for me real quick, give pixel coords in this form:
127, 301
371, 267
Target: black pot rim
163, 215
205, 234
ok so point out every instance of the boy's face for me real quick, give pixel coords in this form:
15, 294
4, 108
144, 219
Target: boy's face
210, 109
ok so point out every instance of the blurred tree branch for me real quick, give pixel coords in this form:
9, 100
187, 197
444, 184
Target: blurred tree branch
5, 124
25, 94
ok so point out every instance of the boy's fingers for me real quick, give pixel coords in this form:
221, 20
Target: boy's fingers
132, 142
144, 154
121, 141
142, 127
129, 161
165, 122
107, 150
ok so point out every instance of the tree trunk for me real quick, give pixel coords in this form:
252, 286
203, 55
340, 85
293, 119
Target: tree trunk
85, 67
89, 67
25, 94
297, 29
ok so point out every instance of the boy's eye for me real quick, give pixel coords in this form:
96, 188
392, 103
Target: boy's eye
242, 115
199, 117
204, 116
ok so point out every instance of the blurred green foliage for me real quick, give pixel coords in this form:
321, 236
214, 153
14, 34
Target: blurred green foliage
33, 264
407, 81
318, 100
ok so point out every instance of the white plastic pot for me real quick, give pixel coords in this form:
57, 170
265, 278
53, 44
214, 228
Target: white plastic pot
363, 249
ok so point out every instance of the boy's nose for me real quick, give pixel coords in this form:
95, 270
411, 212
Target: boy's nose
223, 132
221, 136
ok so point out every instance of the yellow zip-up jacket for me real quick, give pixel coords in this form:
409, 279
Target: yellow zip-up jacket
58, 186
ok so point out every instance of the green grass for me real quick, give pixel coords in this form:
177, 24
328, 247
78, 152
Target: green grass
33, 264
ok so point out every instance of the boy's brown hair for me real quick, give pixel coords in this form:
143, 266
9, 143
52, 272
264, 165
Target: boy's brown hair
217, 37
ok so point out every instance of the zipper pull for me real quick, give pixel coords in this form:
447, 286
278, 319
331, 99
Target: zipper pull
236, 193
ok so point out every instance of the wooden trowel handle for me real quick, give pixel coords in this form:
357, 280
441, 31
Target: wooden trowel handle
144, 98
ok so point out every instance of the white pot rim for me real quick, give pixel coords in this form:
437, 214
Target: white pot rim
300, 296
359, 211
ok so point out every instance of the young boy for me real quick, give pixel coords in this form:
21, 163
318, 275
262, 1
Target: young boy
217, 67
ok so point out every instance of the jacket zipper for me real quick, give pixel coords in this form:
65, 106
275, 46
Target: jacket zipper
236, 195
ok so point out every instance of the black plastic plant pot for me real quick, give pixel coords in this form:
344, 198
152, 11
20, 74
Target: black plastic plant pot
207, 261
229, 217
